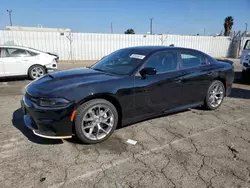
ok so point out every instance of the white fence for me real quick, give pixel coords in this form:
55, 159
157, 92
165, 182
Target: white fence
93, 46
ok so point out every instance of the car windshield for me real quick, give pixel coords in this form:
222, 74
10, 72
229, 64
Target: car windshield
120, 62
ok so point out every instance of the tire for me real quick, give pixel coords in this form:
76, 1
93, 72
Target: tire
97, 126
209, 103
36, 71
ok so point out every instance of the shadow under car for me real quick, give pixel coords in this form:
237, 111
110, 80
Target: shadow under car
17, 121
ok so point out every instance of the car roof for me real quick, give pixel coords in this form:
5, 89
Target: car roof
20, 47
150, 49
12, 46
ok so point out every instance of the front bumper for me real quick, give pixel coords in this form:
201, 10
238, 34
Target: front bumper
47, 123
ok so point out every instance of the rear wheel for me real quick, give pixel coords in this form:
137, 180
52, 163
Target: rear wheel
95, 121
36, 71
215, 95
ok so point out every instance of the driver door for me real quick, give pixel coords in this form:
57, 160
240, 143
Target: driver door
162, 91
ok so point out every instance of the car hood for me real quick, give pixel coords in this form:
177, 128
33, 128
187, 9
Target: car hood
66, 80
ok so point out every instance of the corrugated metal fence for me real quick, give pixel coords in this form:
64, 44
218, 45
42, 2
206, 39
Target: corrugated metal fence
93, 46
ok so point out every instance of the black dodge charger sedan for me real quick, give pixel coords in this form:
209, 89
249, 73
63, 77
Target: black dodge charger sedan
127, 86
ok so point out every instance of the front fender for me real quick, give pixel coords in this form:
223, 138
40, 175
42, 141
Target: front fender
103, 95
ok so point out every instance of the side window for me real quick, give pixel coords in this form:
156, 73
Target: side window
32, 53
2, 53
15, 52
162, 61
247, 45
191, 60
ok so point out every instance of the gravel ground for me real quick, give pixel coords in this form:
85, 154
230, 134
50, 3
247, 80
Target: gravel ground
194, 148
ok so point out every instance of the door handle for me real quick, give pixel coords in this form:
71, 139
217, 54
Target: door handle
178, 80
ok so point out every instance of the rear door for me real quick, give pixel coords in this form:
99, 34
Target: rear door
160, 92
197, 75
16, 61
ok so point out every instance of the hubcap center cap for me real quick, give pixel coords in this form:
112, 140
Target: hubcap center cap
98, 119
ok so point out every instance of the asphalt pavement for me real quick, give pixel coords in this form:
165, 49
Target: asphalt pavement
193, 148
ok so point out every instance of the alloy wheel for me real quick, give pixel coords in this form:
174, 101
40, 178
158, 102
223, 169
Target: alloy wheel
37, 72
97, 122
216, 95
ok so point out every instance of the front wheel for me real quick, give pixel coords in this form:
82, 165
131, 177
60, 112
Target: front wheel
95, 121
215, 95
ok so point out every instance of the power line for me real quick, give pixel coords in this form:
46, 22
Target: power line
10, 11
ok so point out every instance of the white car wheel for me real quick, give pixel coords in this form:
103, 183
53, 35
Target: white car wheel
36, 71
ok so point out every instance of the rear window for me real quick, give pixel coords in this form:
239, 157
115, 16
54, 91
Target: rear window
190, 60
32, 53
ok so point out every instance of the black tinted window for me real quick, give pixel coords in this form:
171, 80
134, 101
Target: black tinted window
190, 60
162, 61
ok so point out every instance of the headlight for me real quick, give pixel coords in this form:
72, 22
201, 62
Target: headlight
53, 102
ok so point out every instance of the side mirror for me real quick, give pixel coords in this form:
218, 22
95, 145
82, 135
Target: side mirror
147, 71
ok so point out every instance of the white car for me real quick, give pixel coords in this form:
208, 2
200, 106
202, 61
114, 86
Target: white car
24, 61
245, 60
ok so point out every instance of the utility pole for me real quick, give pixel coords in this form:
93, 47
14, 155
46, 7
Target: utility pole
246, 27
111, 27
151, 26
10, 11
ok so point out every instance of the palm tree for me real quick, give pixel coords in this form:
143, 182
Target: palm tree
228, 24
129, 31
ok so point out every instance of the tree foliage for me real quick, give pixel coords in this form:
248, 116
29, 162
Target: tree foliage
129, 31
228, 24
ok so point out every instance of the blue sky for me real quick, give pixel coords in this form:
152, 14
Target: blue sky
170, 16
